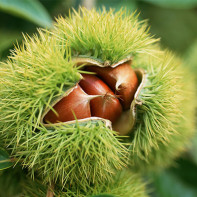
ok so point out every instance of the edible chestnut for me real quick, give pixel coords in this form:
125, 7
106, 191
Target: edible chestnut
107, 105
121, 79
104, 93
76, 103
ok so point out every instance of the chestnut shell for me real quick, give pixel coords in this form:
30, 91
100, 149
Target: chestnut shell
126, 122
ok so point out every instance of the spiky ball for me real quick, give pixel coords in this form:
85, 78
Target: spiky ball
89, 154
38, 72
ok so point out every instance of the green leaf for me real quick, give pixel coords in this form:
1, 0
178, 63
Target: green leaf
185, 4
31, 10
5, 161
167, 184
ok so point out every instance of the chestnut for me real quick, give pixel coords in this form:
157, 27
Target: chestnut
107, 105
121, 79
76, 103
103, 93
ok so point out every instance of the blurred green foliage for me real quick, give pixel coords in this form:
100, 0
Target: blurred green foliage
177, 181
11, 182
177, 28
5, 161
131, 5
24, 16
182, 4
27, 9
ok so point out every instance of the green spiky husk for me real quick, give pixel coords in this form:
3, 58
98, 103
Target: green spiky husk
90, 153
102, 35
165, 123
35, 74
124, 184
15, 182
168, 110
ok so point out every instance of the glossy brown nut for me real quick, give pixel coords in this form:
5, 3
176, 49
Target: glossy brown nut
107, 105
77, 102
121, 79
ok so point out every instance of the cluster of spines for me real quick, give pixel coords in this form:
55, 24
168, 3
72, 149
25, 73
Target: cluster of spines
35, 74
165, 119
15, 182
42, 69
66, 153
104, 35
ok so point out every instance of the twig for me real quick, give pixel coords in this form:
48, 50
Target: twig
50, 190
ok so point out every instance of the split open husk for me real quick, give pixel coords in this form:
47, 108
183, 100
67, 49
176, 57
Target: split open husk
126, 122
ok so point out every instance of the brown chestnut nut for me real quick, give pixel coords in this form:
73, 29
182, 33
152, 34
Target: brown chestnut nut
121, 79
77, 102
107, 105
97, 95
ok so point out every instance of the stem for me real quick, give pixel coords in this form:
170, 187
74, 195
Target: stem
50, 190
89, 4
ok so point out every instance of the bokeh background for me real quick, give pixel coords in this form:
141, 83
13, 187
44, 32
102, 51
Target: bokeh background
173, 21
